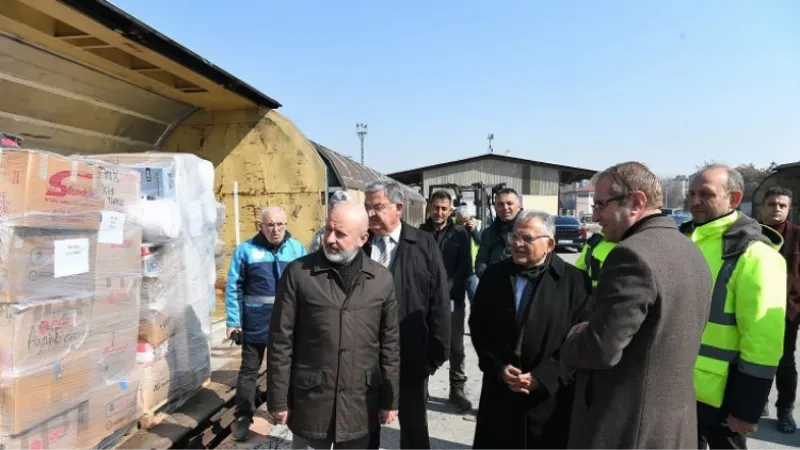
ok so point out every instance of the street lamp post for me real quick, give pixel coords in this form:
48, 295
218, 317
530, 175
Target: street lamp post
361, 131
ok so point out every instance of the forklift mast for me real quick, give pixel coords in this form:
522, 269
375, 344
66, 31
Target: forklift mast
482, 196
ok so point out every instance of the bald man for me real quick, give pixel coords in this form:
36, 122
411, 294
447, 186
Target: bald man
333, 358
256, 266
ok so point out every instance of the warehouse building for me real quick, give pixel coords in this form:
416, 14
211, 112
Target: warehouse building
537, 182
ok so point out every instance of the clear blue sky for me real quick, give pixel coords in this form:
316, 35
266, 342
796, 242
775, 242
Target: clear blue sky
586, 83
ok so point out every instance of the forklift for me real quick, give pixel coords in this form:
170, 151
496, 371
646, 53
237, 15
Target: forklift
482, 197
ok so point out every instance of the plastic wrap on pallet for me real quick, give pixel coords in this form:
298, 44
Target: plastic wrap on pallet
179, 273
70, 288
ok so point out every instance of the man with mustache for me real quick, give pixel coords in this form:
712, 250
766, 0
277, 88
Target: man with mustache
333, 359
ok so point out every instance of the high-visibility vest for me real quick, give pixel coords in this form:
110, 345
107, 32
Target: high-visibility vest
594, 255
746, 320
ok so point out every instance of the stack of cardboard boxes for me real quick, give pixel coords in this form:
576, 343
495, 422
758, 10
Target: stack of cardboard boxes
178, 268
70, 282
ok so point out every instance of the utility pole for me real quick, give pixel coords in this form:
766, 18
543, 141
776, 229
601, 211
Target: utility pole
361, 131
490, 138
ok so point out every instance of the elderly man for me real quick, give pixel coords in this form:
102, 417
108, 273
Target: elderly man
635, 356
775, 210
494, 247
256, 266
423, 303
336, 198
743, 341
517, 329
333, 364
454, 243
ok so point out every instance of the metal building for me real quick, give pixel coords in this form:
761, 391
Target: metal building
537, 182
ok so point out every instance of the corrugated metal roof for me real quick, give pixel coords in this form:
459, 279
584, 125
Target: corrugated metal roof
353, 175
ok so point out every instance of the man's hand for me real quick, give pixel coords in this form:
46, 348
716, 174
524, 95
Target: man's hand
387, 417
280, 417
578, 328
470, 224
528, 381
230, 330
739, 426
511, 376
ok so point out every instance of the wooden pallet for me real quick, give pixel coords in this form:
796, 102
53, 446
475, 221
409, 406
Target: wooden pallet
157, 414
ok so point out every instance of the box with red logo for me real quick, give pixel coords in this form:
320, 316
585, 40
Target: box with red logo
117, 282
109, 409
46, 190
59, 432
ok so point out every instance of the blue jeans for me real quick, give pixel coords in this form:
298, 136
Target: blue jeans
472, 286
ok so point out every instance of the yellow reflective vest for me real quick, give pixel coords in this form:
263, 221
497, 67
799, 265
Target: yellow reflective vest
594, 255
743, 340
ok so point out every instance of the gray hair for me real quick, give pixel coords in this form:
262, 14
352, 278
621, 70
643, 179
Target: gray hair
339, 197
462, 212
547, 223
272, 210
393, 190
735, 179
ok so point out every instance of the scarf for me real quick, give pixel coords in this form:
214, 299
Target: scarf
532, 273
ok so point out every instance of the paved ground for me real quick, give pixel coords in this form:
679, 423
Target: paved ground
451, 430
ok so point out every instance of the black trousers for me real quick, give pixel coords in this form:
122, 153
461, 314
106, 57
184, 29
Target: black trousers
712, 434
413, 416
246, 388
458, 376
786, 376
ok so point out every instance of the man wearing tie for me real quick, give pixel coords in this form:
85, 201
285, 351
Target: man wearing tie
422, 300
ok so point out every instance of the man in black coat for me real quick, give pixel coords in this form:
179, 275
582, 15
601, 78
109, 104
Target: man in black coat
423, 305
523, 310
454, 242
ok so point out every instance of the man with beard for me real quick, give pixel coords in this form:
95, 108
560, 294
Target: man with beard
517, 328
494, 247
423, 304
333, 364
775, 211
256, 266
635, 356
743, 341
454, 243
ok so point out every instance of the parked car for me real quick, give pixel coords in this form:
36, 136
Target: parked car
570, 232
681, 218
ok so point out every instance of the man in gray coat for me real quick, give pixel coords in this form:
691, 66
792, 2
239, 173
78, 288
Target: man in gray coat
635, 356
333, 359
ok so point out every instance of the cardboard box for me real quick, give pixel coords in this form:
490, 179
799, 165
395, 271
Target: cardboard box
116, 304
37, 335
60, 432
46, 190
108, 410
122, 258
34, 397
155, 327
39, 264
113, 356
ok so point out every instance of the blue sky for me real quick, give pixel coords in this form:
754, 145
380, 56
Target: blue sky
586, 83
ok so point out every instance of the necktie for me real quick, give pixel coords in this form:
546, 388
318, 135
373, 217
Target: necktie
383, 247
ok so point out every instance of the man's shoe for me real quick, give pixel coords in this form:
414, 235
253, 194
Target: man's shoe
459, 398
241, 428
786, 423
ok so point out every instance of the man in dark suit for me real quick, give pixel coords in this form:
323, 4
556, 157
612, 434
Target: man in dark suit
423, 303
635, 357
454, 242
775, 211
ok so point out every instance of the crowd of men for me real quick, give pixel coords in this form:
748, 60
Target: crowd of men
658, 337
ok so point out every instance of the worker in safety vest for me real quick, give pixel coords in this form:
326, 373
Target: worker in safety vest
743, 341
594, 255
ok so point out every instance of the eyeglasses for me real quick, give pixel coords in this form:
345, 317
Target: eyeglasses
378, 208
526, 238
275, 224
601, 204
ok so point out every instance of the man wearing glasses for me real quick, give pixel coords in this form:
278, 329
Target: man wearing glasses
423, 303
256, 266
635, 356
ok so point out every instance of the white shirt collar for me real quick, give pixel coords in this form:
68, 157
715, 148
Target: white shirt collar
395, 235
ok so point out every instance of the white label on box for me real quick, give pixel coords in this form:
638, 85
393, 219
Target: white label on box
70, 257
111, 228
